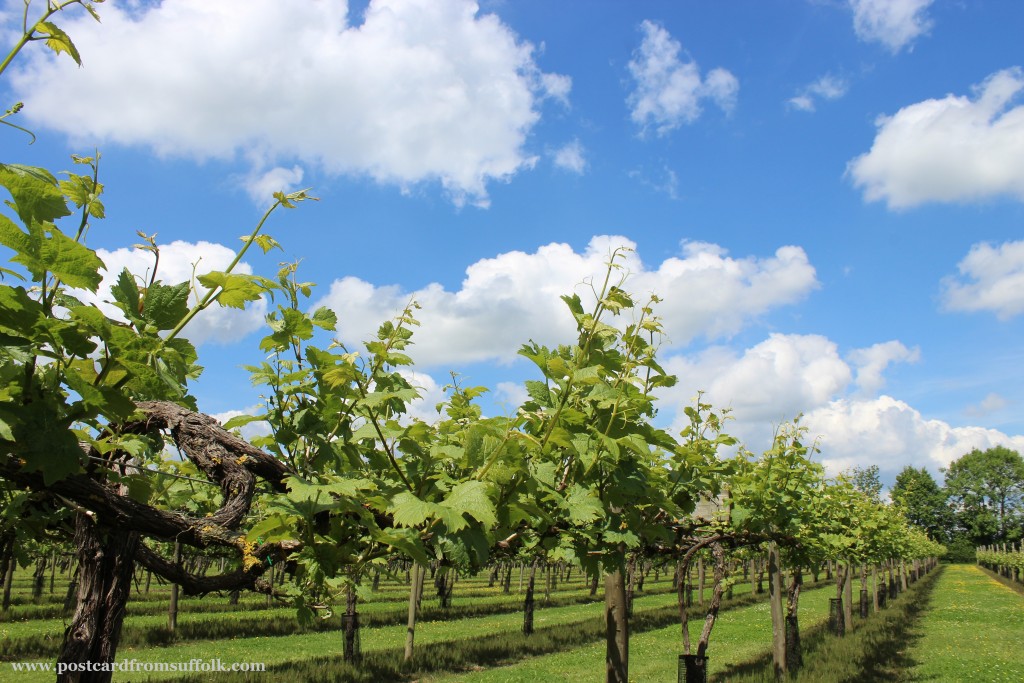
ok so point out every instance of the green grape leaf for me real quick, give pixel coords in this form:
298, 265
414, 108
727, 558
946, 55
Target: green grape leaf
58, 41
325, 318
166, 305
36, 193
264, 242
46, 249
375, 398
410, 511
270, 530
583, 506
83, 191
45, 444
6, 432
236, 289
470, 497
126, 294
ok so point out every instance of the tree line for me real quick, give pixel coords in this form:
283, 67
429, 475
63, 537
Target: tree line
980, 503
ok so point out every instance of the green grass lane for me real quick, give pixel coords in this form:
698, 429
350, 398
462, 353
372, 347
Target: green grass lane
307, 646
53, 628
973, 631
739, 635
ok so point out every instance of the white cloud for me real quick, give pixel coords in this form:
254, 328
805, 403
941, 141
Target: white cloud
669, 91
872, 361
801, 102
949, 149
708, 293
781, 377
891, 434
828, 87
261, 186
788, 375
509, 396
421, 91
722, 88
775, 380
664, 180
571, 157
992, 403
991, 279
179, 261
431, 393
514, 297
894, 23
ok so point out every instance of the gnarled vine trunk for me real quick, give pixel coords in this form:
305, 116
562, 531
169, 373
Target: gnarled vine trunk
106, 559
109, 536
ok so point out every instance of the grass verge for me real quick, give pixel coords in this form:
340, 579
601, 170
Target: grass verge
972, 631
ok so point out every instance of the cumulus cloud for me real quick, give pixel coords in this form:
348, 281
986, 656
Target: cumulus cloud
991, 279
514, 297
571, 157
420, 91
872, 361
891, 434
772, 381
894, 23
669, 91
828, 87
179, 262
788, 375
950, 149
708, 293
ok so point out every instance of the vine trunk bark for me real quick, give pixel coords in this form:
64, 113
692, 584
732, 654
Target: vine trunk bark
616, 619
106, 560
778, 618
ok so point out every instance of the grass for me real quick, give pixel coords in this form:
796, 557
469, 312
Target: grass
570, 604
972, 632
480, 631
872, 651
213, 619
489, 648
300, 648
738, 635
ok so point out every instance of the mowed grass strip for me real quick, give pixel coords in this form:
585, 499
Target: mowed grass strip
481, 648
41, 638
973, 631
300, 648
441, 646
739, 635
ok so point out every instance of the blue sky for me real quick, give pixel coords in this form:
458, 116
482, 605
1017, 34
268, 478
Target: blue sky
826, 194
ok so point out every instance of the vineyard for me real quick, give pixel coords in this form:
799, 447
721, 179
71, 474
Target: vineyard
478, 635
332, 536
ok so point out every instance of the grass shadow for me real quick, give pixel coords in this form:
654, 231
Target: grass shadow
877, 649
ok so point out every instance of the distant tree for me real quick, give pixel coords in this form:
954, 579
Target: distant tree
867, 481
925, 504
987, 488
